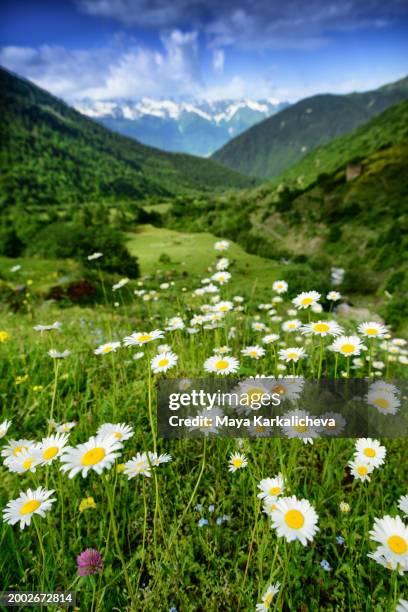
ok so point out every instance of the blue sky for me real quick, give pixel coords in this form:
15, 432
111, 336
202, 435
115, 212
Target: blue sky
215, 49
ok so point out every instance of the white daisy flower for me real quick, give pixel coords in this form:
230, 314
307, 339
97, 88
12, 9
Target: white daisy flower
120, 431
163, 362
322, 328
138, 355
222, 264
237, 461
175, 323
269, 505
207, 421
295, 519
270, 338
120, 284
97, 454
403, 504
280, 286
25, 461
370, 451
333, 296
221, 365
292, 354
109, 347
59, 355
52, 447
222, 350
163, 348
306, 299
385, 401
41, 328
390, 565
347, 345
271, 487
140, 338
267, 597
391, 533
333, 430
360, 469
137, 465
65, 427
299, 426
288, 388
316, 308
292, 325
95, 255
221, 245
255, 352
402, 606
15, 447
221, 277
225, 306
4, 427
157, 460
26, 505
372, 329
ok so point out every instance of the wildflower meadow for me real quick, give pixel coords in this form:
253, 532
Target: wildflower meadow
95, 502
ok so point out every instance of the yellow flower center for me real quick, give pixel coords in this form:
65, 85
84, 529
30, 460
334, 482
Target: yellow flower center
253, 353
294, 519
362, 470
268, 600
293, 355
306, 301
397, 544
382, 402
18, 449
107, 349
223, 308
260, 429
279, 389
27, 464
274, 490
372, 331
93, 456
50, 452
145, 338
291, 325
300, 428
237, 462
369, 452
163, 362
348, 348
118, 435
29, 506
321, 327
222, 364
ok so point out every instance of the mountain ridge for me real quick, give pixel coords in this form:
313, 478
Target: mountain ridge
194, 126
270, 147
51, 153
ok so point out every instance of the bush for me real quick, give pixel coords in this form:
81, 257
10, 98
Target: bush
10, 243
360, 279
63, 240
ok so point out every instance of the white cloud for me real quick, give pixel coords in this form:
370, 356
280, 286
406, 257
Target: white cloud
218, 60
118, 70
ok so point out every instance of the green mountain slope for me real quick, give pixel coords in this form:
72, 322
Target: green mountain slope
50, 153
360, 223
270, 147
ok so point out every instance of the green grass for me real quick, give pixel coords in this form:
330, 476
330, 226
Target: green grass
193, 253
150, 540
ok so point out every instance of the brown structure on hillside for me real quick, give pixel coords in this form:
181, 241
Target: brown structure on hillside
353, 171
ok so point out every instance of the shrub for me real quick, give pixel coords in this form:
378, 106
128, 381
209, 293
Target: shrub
63, 240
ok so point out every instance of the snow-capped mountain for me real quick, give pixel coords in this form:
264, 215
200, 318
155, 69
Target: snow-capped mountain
197, 127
